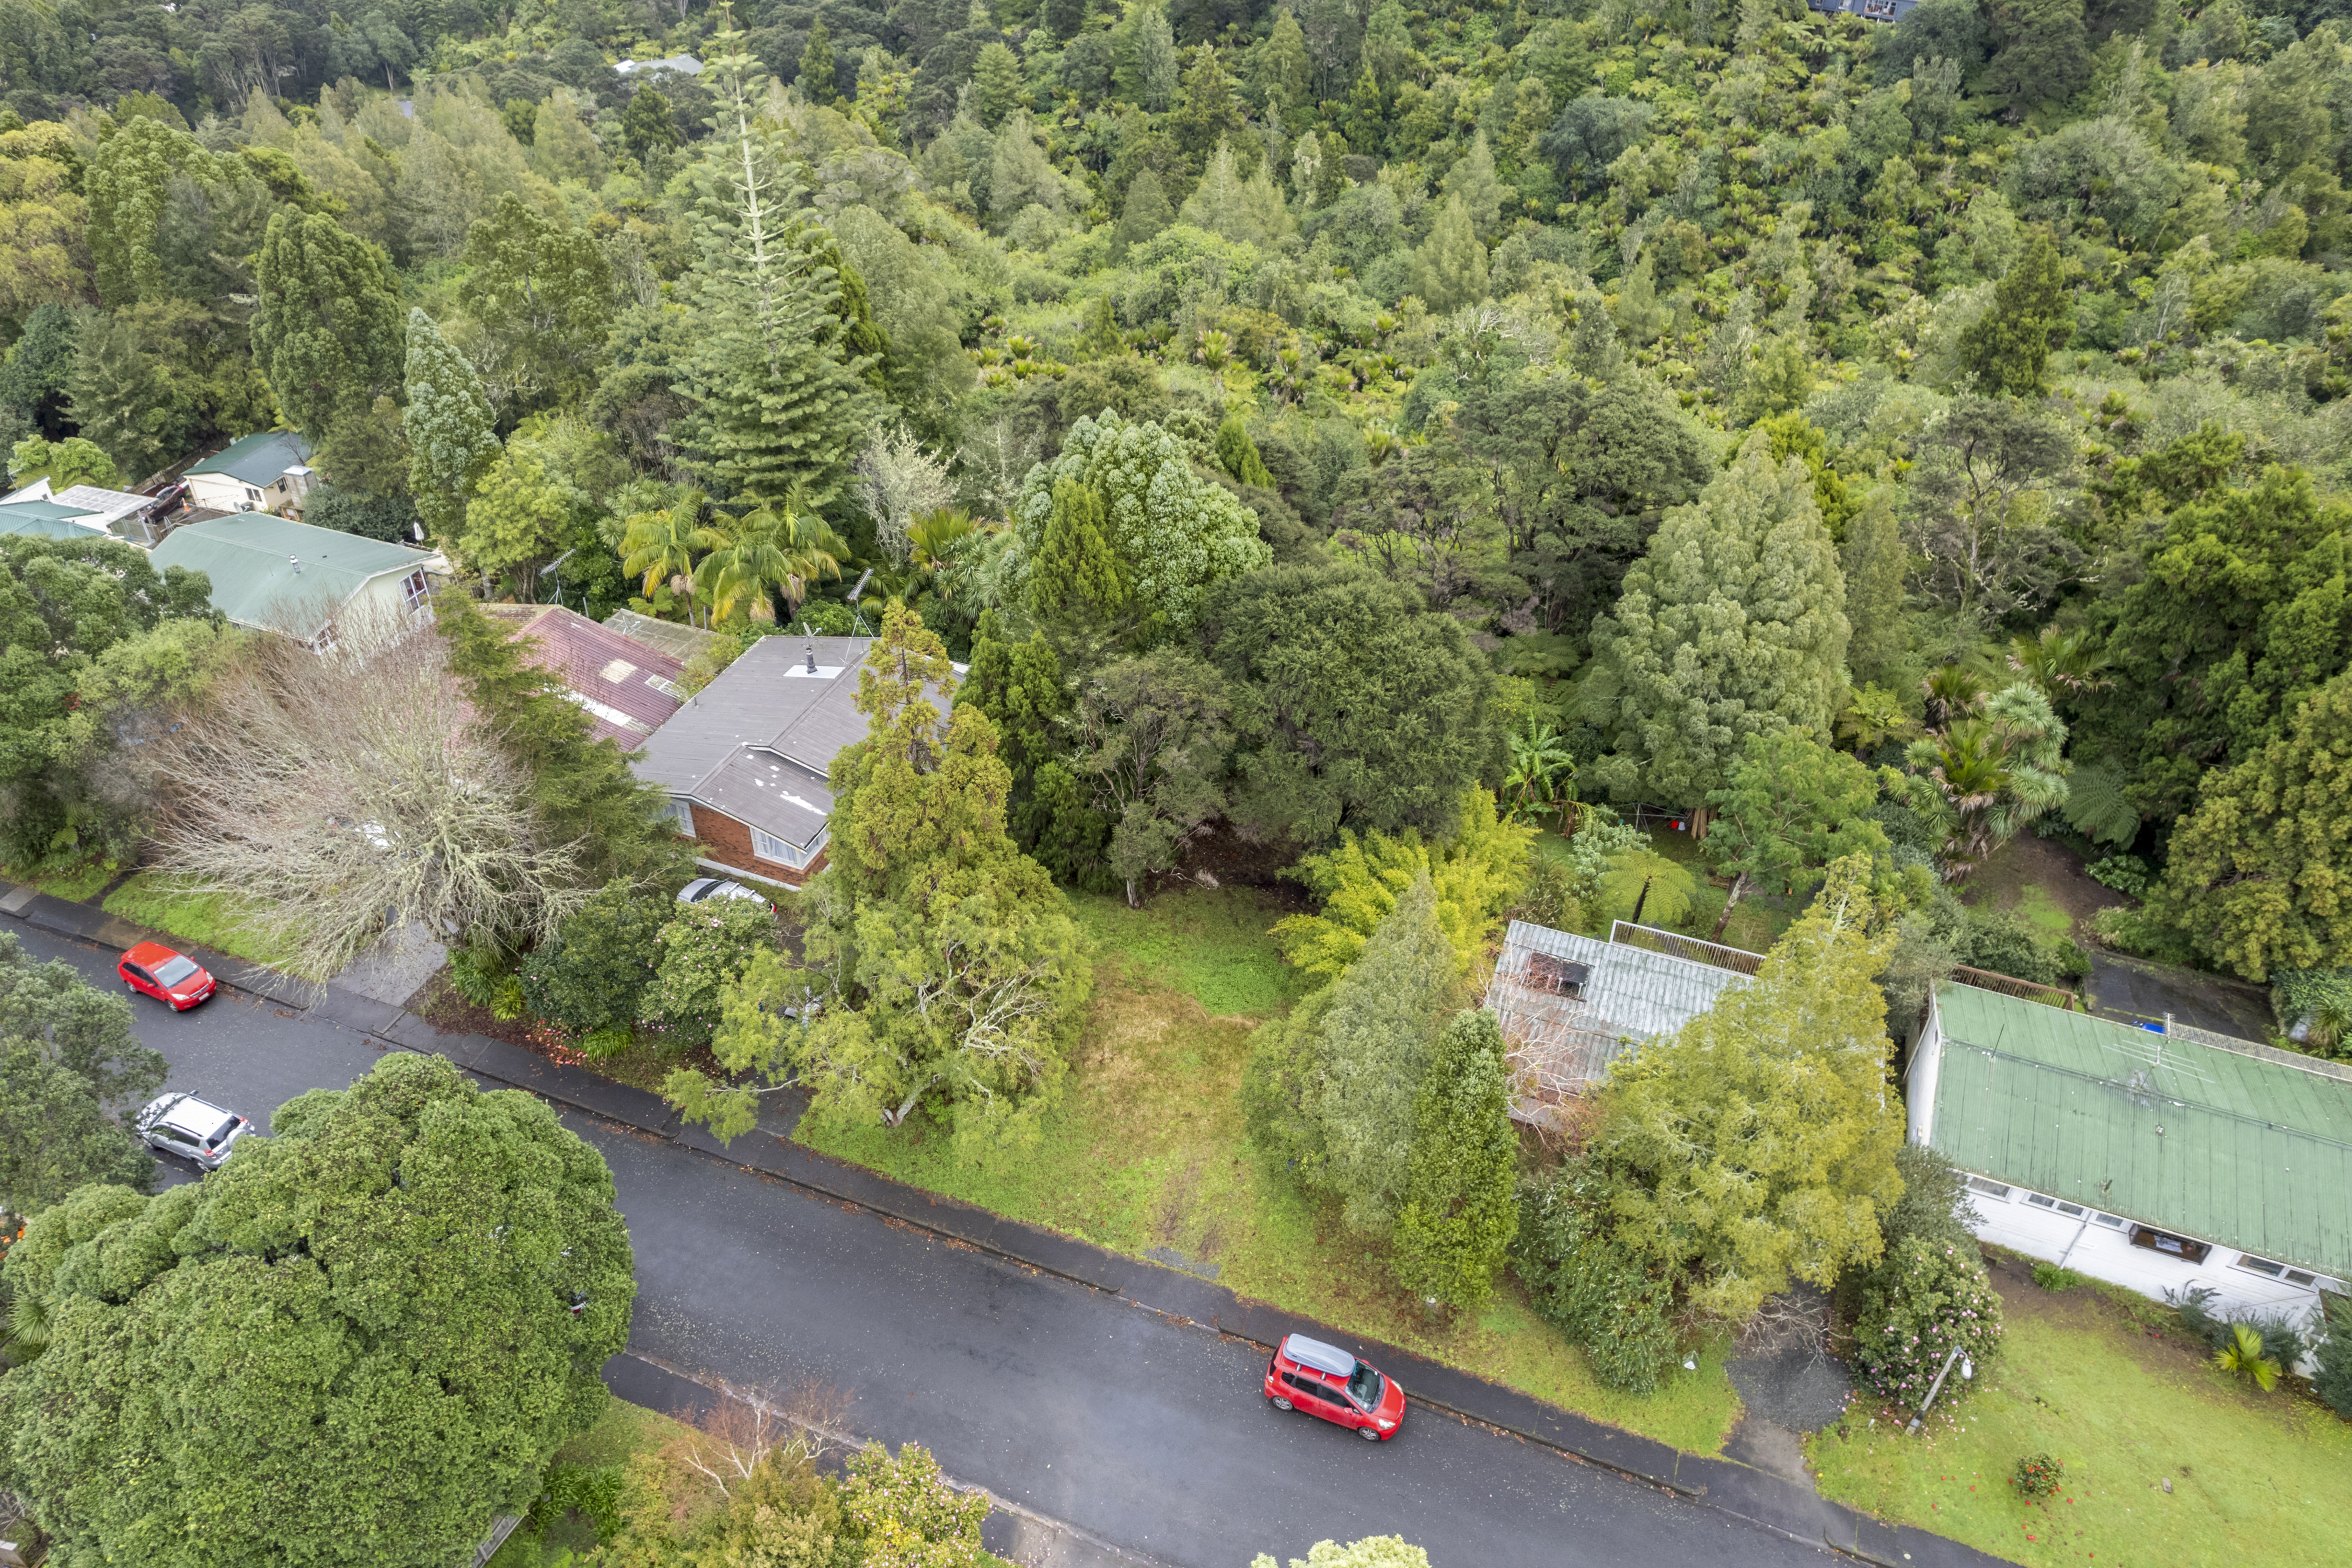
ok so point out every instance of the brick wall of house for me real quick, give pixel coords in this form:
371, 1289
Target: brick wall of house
728, 842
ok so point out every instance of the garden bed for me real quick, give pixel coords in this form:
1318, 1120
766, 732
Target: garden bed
1149, 1154
2112, 1386
643, 1066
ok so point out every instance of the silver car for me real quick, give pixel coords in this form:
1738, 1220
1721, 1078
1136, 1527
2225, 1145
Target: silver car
702, 890
196, 1130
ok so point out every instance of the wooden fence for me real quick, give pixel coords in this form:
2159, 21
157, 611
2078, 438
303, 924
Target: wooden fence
2024, 989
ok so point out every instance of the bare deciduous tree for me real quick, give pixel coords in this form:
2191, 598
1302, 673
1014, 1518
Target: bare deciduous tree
335, 796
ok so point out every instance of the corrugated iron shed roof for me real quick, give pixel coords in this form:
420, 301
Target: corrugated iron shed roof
277, 574
256, 460
1628, 994
628, 689
2218, 1144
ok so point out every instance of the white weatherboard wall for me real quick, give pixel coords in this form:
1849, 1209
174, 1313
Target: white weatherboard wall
2097, 1243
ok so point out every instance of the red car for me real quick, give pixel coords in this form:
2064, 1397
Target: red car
1324, 1380
167, 976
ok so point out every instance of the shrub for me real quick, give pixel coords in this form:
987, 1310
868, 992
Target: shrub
2038, 1475
2006, 945
702, 952
1921, 1299
1934, 1204
479, 970
2318, 1003
2333, 1379
2243, 1354
2050, 1276
594, 1491
1593, 1291
2123, 873
2072, 960
2142, 935
594, 974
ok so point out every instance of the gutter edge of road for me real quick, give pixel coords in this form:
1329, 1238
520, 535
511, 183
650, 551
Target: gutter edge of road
1827, 1525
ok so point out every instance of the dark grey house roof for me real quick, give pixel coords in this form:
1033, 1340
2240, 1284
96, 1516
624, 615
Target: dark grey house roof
757, 742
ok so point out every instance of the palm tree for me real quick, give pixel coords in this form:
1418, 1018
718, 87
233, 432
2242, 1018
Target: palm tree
2061, 663
1953, 692
1532, 785
767, 547
1996, 774
659, 546
2243, 1353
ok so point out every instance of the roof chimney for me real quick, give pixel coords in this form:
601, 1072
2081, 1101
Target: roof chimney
811, 657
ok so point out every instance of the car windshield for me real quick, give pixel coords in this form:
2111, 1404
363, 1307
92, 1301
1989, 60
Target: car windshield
1365, 1388
174, 969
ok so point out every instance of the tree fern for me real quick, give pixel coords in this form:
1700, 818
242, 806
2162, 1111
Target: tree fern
2097, 807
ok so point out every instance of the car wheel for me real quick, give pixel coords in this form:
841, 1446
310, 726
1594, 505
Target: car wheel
1281, 1404
1368, 1434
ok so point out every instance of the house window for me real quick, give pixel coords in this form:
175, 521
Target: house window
2179, 1247
324, 643
2038, 1201
2113, 1221
412, 590
2276, 1270
1989, 1189
768, 847
679, 816
666, 688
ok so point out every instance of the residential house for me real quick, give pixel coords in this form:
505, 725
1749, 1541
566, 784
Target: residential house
1568, 1004
268, 472
676, 65
80, 511
273, 573
2159, 1162
1889, 11
627, 689
745, 758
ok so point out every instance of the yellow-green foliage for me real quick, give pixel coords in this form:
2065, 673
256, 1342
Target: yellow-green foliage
1762, 1136
1477, 873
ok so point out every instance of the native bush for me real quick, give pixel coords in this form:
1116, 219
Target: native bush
702, 952
1603, 1295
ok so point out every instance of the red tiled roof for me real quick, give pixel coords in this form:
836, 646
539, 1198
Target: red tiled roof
609, 674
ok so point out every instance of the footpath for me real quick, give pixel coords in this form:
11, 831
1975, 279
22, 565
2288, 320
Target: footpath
1759, 1498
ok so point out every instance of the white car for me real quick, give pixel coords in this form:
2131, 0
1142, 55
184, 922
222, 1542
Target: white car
702, 890
196, 1130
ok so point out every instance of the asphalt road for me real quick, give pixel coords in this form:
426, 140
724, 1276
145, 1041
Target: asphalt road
1082, 1406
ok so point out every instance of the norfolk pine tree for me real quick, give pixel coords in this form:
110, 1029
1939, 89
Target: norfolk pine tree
1460, 1210
2008, 349
1732, 624
452, 436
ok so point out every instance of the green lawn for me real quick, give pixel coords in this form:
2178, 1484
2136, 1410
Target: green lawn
1149, 1149
71, 882
214, 920
2256, 1478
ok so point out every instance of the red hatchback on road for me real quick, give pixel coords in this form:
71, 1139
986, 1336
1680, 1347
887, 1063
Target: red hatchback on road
167, 976
1324, 1380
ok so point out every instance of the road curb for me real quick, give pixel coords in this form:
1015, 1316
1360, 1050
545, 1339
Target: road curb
1725, 1486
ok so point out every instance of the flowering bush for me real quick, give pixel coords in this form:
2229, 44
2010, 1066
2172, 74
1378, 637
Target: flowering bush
1924, 1298
913, 1518
701, 953
2038, 1475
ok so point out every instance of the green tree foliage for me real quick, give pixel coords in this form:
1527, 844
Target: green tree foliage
127, 186
1873, 558
327, 332
582, 789
2240, 615
452, 437
93, 640
1461, 1209
70, 1068
1077, 585
2331, 1381
995, 83
1238, 455
592, 978
1353, 708
542, 294
535, 498
1050, 814
704, 949
950, 970
1371, 1049
1733, 624
1151, 736
1992, 773
1791, 808
1449, 270
1476, 871
818, 80
779, 398
647, 125
1174, 534
377, 1305
1924, 1298
2255, 870
1587, 1277
1371, 1552
1757, 1145
65, 464
2008, 349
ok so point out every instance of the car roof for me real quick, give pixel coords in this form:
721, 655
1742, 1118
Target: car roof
190, 1114
151, 952
1318, 1355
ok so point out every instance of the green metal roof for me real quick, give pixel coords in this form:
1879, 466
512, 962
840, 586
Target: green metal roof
2218, 1144
46, 520
250, 557
257, 460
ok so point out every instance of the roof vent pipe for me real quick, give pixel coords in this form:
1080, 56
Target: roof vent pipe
811, 657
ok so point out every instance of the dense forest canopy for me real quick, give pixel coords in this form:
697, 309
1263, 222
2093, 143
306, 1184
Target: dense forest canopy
1967, 392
